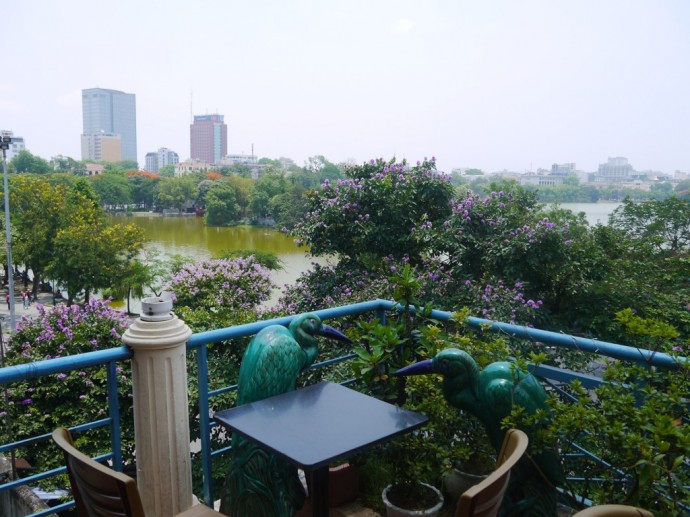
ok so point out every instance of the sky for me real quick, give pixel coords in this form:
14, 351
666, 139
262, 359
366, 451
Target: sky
492, 84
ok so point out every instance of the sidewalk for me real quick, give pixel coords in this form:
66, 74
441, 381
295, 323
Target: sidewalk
19, 310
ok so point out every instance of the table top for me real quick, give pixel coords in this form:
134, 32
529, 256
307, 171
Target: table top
319, 424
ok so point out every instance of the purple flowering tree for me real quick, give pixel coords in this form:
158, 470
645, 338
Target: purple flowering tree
373, 213
65, 399
240, 283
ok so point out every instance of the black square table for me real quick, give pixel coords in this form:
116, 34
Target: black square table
316, 425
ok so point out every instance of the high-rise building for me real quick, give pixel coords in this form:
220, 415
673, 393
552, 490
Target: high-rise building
164, 156
110, 112
101, 147
208, 137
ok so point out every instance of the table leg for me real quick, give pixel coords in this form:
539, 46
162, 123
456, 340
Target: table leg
319, 489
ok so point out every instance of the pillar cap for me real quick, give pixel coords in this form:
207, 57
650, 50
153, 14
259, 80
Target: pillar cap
157, 308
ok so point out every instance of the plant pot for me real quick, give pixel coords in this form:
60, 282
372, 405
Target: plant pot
343, 484
456, 482
418, 500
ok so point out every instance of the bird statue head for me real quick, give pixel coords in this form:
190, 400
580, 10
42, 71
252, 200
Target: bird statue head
307, 327
460, 374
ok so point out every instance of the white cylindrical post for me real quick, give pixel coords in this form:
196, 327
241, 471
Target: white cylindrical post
161, 421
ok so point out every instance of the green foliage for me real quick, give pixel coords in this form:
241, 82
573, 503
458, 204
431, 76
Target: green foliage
112, 189
665, 225
24, 161
36, 407
376, 211
176, 192
636, 421
221, 206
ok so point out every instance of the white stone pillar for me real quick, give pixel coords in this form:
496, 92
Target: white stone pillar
161, 421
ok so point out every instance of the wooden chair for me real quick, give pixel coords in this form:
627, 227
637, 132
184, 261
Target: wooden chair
484, 499
613, 510
99, 491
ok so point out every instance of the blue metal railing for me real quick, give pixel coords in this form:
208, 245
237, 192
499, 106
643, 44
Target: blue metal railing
200, 341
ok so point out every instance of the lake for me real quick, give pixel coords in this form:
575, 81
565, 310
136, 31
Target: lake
188, 236
594, 212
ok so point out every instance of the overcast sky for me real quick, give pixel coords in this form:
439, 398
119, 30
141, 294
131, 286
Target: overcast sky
493, 84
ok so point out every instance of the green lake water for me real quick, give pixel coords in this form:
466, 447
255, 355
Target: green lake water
189, 237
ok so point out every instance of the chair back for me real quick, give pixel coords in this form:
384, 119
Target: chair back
484, 499
98, 491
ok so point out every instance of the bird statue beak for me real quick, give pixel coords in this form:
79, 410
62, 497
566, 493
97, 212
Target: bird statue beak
331, 333
420, 368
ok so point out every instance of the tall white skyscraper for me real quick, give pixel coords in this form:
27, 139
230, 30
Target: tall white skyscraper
110, 112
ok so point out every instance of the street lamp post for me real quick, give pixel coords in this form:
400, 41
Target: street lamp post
5, 145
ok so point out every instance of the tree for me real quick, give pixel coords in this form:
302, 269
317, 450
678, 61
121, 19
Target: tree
87, 254
66, 399
226, 284
167, 171
663, 224
65, 164
24, 161
113, 189
265, 188
243, 191
221, 206
144, 187
36, 208
376, 211
176, 192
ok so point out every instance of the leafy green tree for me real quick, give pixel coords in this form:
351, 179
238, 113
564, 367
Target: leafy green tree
177, 192
289, 208
260, 204
24, 161
66, 164
663, 224
87, 254
113, 189
221, 205
144, 188
36, 207
167, 171
243, 191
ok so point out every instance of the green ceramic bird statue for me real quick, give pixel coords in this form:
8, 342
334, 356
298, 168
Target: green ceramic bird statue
257, 482
489, 395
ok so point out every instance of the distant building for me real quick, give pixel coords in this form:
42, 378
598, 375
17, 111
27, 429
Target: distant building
103, 147
615, 170
151, 162
208, 137
94, 169
541, 180
109, 112
161, 158
16, 145
191, 166
244, 159
563, 169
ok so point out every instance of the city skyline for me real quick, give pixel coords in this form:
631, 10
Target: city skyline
493, 85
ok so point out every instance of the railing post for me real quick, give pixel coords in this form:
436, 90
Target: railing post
161, 421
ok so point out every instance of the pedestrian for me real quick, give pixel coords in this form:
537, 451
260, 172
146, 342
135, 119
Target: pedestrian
7, 299
25, 299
